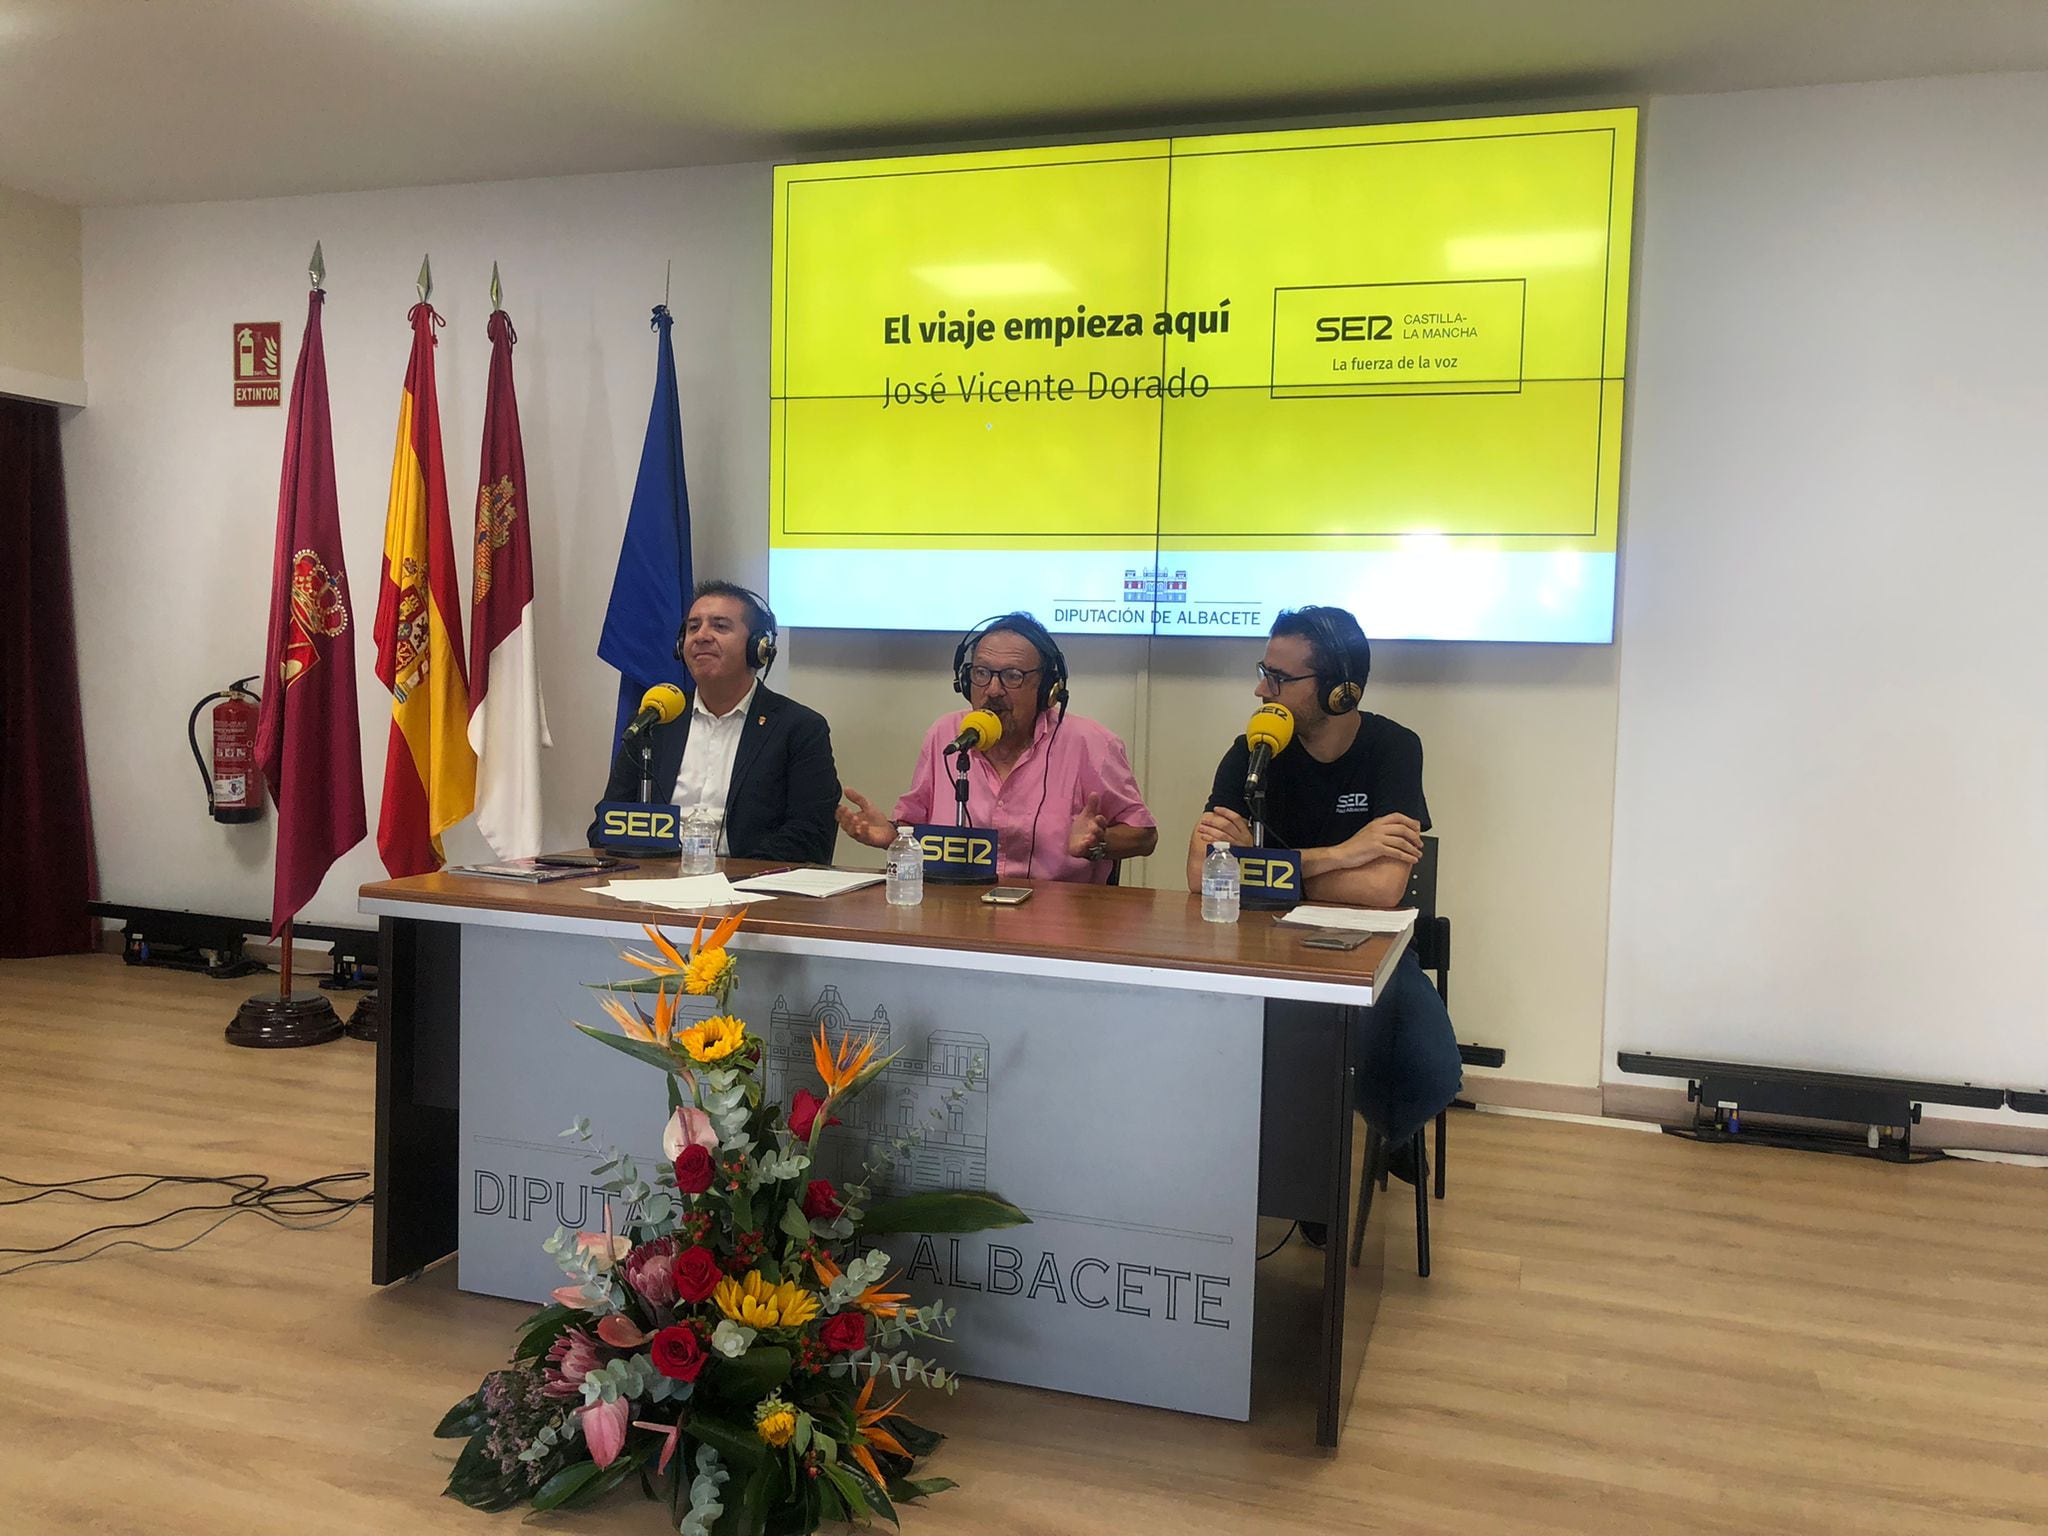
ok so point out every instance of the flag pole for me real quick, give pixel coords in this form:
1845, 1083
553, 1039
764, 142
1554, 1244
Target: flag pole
288, 1019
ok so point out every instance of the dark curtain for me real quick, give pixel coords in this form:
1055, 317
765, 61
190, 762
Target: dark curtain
46, 859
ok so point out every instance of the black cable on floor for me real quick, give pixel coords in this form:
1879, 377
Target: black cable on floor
1292, 1227
295, 1206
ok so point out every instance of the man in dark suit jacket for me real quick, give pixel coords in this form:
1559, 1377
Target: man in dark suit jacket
757, 756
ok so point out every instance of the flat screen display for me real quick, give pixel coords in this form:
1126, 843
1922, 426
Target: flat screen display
1171, 386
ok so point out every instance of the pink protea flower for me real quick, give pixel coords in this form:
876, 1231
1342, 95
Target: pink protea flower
570, 1358
648, 1269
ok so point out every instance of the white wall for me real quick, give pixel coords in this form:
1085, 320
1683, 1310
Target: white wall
1831, 847
174, 491
174, 495
41, 307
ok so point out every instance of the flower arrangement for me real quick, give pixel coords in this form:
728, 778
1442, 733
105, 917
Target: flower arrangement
722, 1341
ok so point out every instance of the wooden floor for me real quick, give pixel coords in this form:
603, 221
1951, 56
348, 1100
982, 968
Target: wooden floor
1624, 1333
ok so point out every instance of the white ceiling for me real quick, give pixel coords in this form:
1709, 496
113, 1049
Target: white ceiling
114, 101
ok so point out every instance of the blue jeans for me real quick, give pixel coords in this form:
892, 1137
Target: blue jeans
1406, 1054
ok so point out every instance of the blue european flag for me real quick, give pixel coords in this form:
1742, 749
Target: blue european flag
651, 588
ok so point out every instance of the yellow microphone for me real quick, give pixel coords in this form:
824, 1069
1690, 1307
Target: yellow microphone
979, 730
1271, 728
659, 705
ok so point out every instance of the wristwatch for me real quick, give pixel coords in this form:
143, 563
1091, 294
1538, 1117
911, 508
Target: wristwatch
1097, 851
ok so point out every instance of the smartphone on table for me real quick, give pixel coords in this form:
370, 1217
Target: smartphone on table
1007, 895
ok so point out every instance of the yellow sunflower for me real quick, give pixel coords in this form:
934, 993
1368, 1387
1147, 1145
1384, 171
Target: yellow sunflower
714, 1039
702, 971
774, 1421
757, 1304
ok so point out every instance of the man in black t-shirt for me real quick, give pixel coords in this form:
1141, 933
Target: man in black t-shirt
1347, 793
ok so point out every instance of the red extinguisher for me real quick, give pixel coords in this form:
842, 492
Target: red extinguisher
234, 789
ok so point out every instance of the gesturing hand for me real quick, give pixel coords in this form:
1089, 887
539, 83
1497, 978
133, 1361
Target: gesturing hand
860, 821
1089, 828
1393, 836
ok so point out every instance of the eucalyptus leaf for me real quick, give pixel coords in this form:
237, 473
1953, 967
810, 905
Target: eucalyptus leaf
795, 1222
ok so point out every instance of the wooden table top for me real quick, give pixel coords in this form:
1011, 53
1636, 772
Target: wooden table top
1123, 925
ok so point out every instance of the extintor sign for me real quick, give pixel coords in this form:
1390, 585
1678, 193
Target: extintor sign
258, 362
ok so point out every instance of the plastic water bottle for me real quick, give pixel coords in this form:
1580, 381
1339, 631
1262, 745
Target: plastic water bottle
1220, 885
905, 886
699, 842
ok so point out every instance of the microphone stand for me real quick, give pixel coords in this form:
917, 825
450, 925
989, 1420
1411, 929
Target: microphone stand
646, 771
960, 793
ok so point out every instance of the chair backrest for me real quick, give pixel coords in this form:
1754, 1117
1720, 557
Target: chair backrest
1432, 941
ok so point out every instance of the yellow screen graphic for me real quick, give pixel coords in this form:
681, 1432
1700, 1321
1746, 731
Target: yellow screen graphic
1329, 340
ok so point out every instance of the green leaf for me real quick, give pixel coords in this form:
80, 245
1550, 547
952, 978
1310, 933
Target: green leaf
801, 1440
830, 1505
760, 1494
545, 1326
904, 1489
750, 1378
875, 1496
849, 1488
639, 984
565, 1484
612, 1477
957, 1210
675, 1092
738, 1445
917, 1440
463, 1420
795, 1222
639, 1050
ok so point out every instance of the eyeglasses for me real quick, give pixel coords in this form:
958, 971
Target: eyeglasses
1276, 679
1012, 677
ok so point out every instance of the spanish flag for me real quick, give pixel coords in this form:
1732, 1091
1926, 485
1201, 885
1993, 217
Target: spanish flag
429, 768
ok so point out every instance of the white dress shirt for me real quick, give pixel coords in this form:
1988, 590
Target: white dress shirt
714, 742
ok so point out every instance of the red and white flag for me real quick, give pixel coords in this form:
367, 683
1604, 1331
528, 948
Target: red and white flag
307, 742
508, 725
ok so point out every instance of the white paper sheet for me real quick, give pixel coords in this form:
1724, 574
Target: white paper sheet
810, 882
1351, 919
683, 893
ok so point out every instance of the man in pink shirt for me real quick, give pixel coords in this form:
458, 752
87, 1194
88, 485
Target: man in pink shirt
1058, 792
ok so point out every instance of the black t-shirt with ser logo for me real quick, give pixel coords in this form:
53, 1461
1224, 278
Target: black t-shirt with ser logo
1311, 804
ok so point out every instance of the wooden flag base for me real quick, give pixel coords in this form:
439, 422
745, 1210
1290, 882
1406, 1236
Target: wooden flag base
302, 1018
367, 1022
289, 1018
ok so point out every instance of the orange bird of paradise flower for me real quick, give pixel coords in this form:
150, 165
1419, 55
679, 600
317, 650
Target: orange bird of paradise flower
868, 1431
874, 1299
843, 1069
660, 1030
673, 962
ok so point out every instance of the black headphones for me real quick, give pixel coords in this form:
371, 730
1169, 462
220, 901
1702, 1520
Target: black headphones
761, 632
1052, 666
1344, 685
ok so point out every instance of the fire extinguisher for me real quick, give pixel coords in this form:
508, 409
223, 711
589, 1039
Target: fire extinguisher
234, 790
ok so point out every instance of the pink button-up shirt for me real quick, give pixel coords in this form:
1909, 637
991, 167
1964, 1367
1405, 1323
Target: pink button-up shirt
1033, 810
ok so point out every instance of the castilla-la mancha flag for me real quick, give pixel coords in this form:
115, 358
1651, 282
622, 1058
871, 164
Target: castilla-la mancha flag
429, 769
307, 743
508, 724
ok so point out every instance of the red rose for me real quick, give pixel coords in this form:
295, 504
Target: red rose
694, 1170
696, 1274
843, 1333
679, 1353
803, 1113
821, 1200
